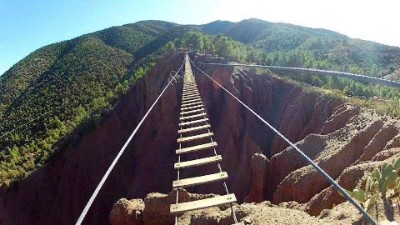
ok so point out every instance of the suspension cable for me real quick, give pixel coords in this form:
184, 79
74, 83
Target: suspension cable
179, 160
309, 160
100, 185
354, 76
219, 167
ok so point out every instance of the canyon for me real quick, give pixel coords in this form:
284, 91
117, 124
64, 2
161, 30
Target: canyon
344, 139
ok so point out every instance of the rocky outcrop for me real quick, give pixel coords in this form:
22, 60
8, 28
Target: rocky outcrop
154, 209
378, 142
345, 156
394, 143
333, 133
57, 193
343, 148
330, 196
385, 154
259, 165
248, 213
299, 119
157, 206
127, 212
350, 178
340, 118
287, 161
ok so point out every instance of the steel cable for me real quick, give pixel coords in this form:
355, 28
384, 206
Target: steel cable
341, 190
101, 183
354, 76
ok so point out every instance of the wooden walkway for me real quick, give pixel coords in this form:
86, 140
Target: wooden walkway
195, 129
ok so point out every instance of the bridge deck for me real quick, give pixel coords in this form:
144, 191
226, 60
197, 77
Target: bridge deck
203, 203
193, 118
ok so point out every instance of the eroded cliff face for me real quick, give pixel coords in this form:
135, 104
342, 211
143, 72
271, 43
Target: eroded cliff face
57, 193
343, 139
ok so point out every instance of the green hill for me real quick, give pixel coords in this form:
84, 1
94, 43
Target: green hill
63, 89
60, 91
291, 45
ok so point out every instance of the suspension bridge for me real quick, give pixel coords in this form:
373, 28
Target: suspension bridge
196, 136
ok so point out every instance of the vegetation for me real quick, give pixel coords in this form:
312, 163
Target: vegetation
217, 45
373, 96
386, 100
383, 183
290, 45
61, 91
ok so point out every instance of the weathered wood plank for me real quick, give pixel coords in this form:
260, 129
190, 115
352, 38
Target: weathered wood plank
198, 162
196, 148
200, 180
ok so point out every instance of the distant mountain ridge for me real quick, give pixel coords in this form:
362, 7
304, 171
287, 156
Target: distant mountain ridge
255, 30
73, 83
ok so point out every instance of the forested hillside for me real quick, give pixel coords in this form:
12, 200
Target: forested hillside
60, 91
239, 52
291, 45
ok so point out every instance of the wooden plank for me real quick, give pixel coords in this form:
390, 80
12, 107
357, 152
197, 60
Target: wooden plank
192, 107
195, 137
192, 100
189, 84
184, 97
192, 111
188, 93
193, 122
191, 97
194, 93
191, 104
196, 148
200, 180
191, 93
189, 88
198, 162
182, 131
192, 117
202, 204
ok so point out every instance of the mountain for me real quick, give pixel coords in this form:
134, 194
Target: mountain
62, 89
346, 140
216, 27
255, 31
62, 93
310, 47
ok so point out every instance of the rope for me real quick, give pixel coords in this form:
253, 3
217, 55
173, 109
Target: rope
310, 161
179, 160
219, 167
100, 185
354, 76
178, 177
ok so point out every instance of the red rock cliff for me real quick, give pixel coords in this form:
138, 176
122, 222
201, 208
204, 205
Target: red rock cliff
57, 193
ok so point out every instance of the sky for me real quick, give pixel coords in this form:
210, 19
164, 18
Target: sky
26, 25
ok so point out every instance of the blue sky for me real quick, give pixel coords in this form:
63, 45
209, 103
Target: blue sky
26, 25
